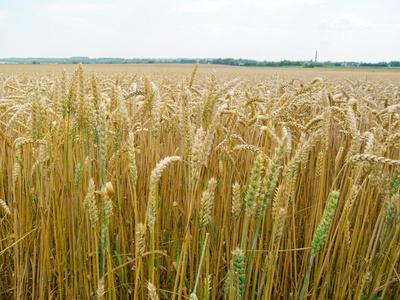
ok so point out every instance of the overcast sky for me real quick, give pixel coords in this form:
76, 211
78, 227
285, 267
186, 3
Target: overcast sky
341, 30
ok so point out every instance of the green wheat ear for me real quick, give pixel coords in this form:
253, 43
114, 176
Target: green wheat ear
238, 269
320, 235
255, 182
323, 227
227, 284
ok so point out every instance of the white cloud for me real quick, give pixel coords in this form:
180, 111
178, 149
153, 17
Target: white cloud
346, 21
236, 30
71, 8
80, 27
202, 6
272, 3
73, 22
2, 15
262, 42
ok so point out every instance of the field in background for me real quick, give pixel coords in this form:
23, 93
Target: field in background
208, 182
185, 69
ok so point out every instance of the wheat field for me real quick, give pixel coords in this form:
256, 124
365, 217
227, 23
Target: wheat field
198, 182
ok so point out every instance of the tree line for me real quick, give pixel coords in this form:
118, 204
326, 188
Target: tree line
218, 61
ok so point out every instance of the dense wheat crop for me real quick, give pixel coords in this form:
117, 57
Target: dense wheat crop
202, 185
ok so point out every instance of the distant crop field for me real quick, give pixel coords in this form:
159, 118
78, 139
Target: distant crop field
186, 69
198, 182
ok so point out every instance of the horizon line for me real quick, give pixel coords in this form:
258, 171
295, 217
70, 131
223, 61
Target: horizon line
186, 58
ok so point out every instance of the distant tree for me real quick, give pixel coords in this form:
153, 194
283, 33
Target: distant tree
382, 64
308, 65
250, 63
395, 63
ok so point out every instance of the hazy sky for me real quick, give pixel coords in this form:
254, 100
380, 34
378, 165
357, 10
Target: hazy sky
341, 30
